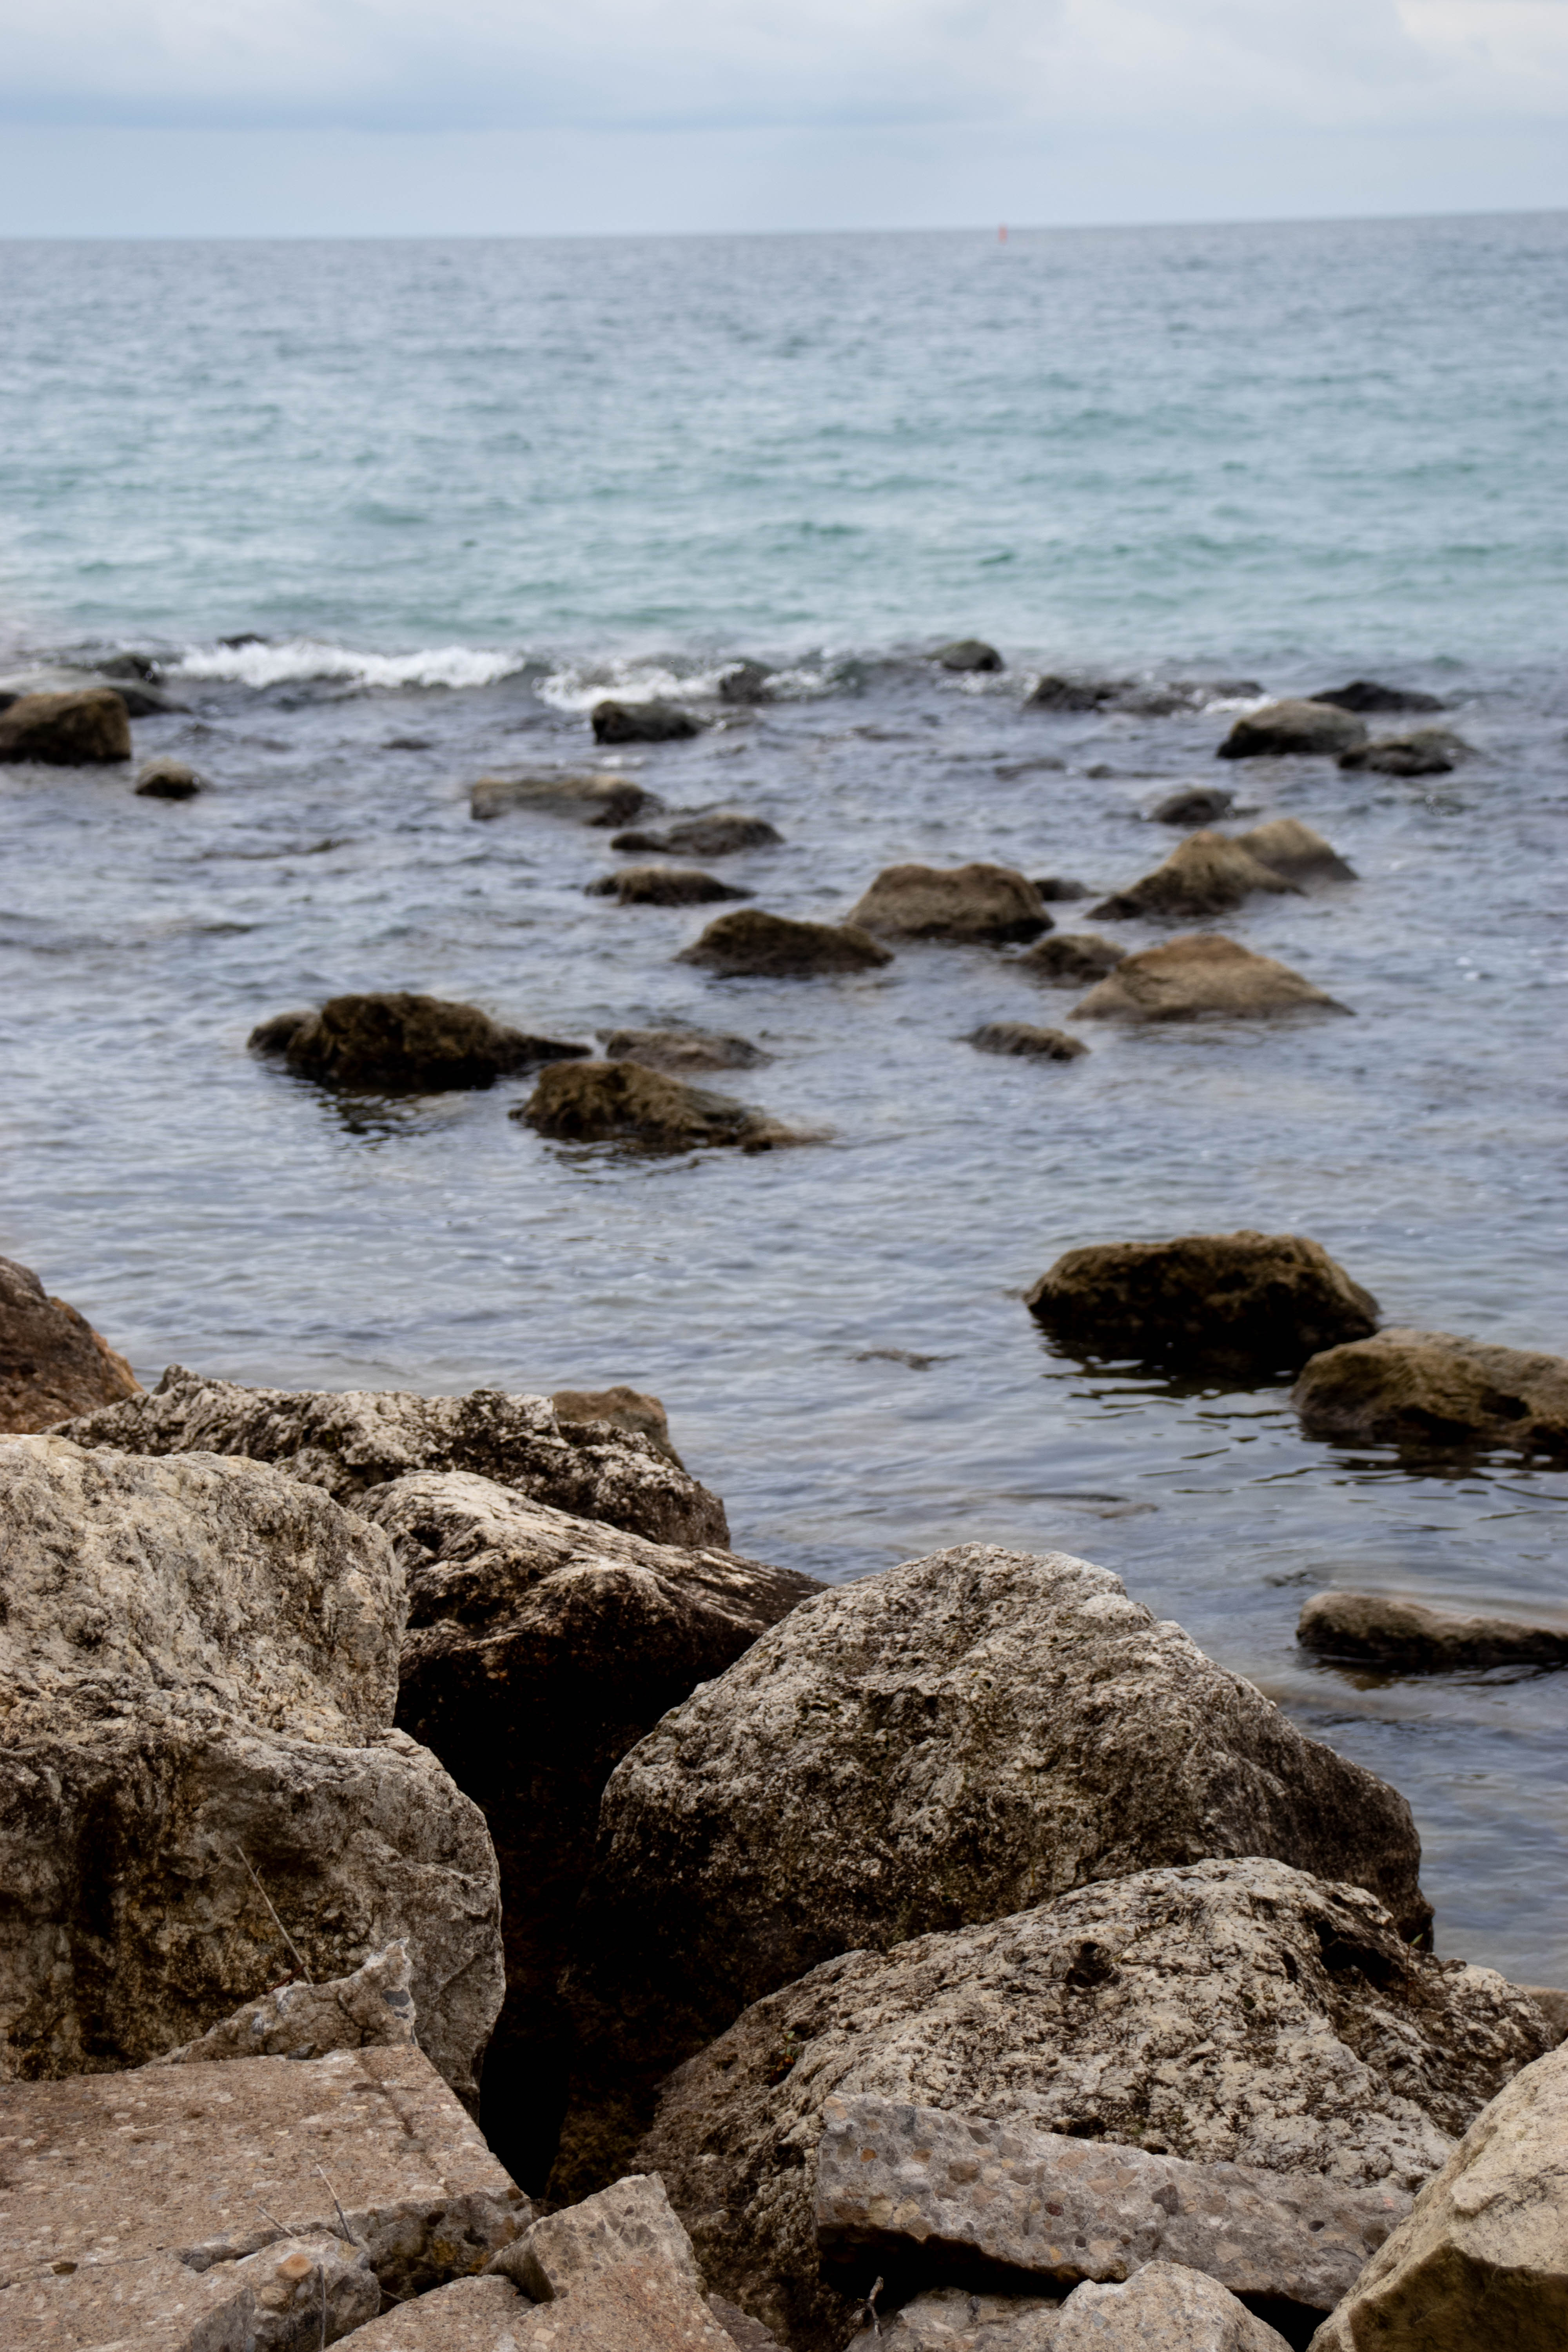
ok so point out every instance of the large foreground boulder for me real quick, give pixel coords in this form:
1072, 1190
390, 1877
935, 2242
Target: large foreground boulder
933, 1745
1230, 2012
1202, 976
200, 1785
80, 730
1293, 727
400, 1043
1263, 1301
1207, 874
776, 947
52, 1362
351, 1442
1431, 1390
1382, 1630
540, 1648
977, 905
626, 1102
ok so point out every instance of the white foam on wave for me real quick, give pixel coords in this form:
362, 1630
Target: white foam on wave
577, 686
302, 657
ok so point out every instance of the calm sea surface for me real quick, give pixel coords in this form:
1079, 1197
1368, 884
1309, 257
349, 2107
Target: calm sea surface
454, 493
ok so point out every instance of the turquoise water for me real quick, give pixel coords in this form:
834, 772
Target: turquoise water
452, 492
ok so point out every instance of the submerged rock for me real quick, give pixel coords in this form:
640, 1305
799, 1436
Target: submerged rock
168, 780
1381, 1629
1054, 693
1365, 693
1019, 1037
722, 834
1294, 850
682, 1051
977, 904
968, 653
936, 1744
1200, 975
1428, 752
1431, 1390
663, 886
1071, 958
403, 1045
776, 947
1232, 2012
1280, 729
85, 729
52, 1362
1207, 874
1194, 805
1267, 1301
624, 1102
642, 722
598, 800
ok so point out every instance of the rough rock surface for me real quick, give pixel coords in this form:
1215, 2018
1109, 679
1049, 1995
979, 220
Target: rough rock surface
606, 799
1194, 805
80, 729
908, 2180
540, 1648
199, 1780
403, 1045
956, 2319
1071, 958
1366, 694
168, 780
1267, 1300
1207, 874
664, 886
351, 1442
682, 1052
632, 2218
292, 2296
719, 834
933, 1745
372, 2009
623, 1408
1483, 2259
1165, 2309
1429, 1389
1294, 850
968, 653
776, 947
1424, 752
471, 2315
977, 904
1293, 727
1381, 1629
52, 1362
1202, 974
641, 722
626, 1102
1021, 1038
1234, 2012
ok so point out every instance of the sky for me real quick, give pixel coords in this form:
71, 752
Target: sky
529, 117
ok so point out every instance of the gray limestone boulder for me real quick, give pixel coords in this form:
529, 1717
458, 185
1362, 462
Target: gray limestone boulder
52, 1362
1207, 874
1202, 976
351, 1442
1262, 1302
1388, 1631
962, 2319
1293, 726
1432, 1391
471, 2315
941, 1743
631, 2218
965, 905
1232, 2012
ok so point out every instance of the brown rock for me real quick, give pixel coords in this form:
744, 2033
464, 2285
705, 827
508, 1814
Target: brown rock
968, 653
1033, 1044
1055, 886
623, 1408
1429, 1389
80, 730
1379, 1629
1366, 694
52, 1362
168, 780
400, 1043
1207, 874
682, 1052
1426, 751
1267, 1300
1294, 850
1071, 958
969, 905
631, 2220
1292, 727
641, 722
625, 1103
663, 886
718, 834
775, 947
1201, 975
606, 799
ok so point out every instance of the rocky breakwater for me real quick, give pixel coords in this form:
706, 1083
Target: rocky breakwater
938, 1744
52, 1362
200, 1778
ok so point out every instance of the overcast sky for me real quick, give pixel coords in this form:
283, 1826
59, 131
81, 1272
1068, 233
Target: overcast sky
508, 116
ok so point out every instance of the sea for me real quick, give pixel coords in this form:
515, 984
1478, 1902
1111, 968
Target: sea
388, 517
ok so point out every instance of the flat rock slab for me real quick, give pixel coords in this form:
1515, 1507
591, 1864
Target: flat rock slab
1073, 2208
472, 2315
292, 2296
1382, 1630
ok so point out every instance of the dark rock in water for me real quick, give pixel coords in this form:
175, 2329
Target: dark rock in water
86, 728
142, 699
52, 1362
744, 681
1055, 886
623, 1408
1435, 1393
168, 780
720, 834
1053, 693
1379, 1629
403, 1045
144, 667
1030, 1044
601, 800
1427, 752
1040, 763
1202, 976
681, 1051
924, 1748
622, 1102
1207, 874
1292, 727
1194, 805
1365, 693
663, 886
776, 947
966, 905
968, 653
1294, 850
1267, 1301
642, 722
540, 1648
1071, 958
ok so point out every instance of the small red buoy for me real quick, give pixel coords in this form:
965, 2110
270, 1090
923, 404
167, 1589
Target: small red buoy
1001, 234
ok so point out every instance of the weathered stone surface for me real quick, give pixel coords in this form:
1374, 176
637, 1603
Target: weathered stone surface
403, 1045
1020, 1037
955, 2319
76, 730
1293, 727
198, 1776
1381, 1629
933, 1745
1165, 2309
168, 780
52, 1362
631, 2220
892, 2177
1366, 694
626, 1102
1298, 853
1233, 2011
170, 2180
290, 2296
1424, 752
1200, 975
741, 2329
606, 799
968, 653
1483, 2259
969, 905
372, 2009
623, 1408
471, 2315
1194, 805
776, 947
1430, 1389
351, 1442
1207, 874
682, 1052
719, 834
641, 722
540, 1648
664, 886
1553, 2003
1267, 1300
1071, 958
